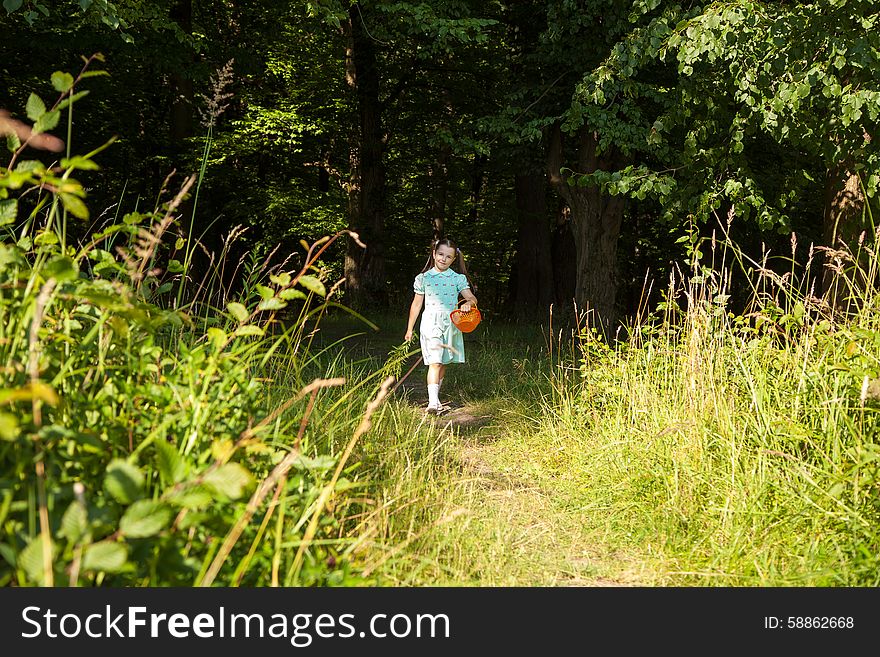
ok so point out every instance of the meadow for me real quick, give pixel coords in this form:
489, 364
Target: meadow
162, 427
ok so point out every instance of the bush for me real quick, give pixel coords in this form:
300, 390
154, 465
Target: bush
137, 442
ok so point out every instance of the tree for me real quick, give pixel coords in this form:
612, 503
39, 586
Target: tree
390, 46
702, 96
554, 45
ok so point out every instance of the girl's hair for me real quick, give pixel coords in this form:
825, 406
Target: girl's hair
459, 257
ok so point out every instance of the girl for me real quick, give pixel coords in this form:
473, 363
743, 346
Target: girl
438, 287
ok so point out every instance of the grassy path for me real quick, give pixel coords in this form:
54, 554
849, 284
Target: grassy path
480, 499
515, 527
703, 451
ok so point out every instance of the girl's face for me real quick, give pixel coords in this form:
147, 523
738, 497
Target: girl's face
443, 257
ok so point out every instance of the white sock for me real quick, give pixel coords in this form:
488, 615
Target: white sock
434, 394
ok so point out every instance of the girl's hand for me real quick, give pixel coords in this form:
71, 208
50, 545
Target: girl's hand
466, 306
408, 335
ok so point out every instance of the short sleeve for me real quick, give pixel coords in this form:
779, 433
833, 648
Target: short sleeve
462, 282
419, 284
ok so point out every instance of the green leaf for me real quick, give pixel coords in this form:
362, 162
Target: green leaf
12, 5
238, 311
145, 518
313, 284
46, 238
265, 292
30, 165
123, 481
94, 74
13, 143
194, 497
106, 556
172, 466
174, 266
8, 211
75, 522
61, 268
30, 560
162, 289
291, 293
79, 162
282, 279
249, 329
217, 336
75, 206
271, 304
229, 480
322, 462
62, 81
35, 107
72, 99
8, 426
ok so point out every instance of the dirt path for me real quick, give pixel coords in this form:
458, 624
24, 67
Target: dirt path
511, 525
527, 534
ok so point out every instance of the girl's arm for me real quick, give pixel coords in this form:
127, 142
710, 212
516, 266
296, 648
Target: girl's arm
470, 299
414, 310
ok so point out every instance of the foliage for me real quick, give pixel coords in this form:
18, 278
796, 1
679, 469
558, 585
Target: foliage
709, 96
743, 443
135, 439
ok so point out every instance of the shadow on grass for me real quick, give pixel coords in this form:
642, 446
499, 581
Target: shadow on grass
506, 363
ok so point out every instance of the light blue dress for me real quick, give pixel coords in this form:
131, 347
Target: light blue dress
441, 341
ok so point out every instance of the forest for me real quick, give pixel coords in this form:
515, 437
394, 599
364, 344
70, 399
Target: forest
212, 215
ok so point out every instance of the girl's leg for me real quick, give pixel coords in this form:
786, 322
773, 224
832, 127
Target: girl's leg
441, 374
435, 372
434, 386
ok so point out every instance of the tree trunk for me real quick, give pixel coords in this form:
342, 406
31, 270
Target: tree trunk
365, 268
564, 260
596, 219
438, 174
534, 273
181, 85
844, 204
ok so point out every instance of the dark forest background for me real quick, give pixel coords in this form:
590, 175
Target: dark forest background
574, 150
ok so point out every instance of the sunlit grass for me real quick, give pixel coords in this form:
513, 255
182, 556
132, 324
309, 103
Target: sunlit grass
708, 449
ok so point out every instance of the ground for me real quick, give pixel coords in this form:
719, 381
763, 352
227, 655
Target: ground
509, 525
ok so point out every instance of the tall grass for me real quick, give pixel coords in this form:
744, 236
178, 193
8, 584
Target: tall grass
146, 442
737, 450
708, 448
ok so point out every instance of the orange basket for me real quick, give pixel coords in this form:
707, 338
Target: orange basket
466, 322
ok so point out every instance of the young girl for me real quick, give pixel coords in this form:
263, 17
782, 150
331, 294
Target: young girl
438, 288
